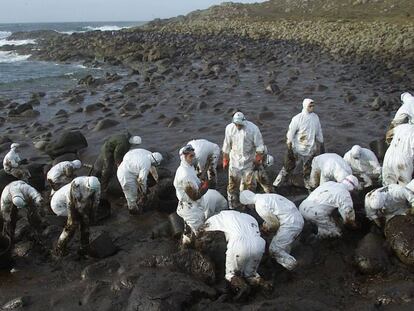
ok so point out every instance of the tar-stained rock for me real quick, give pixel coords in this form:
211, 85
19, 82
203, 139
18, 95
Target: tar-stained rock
370, 256
399, 232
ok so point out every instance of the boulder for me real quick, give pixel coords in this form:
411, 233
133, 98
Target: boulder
37, 177
102, 246
370, 256
68, 142
93, 107
272, 88
20, 109
129, 87
399, 232
102, 270
104, 124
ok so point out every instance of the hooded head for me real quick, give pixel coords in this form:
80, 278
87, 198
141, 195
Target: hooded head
14, 146
407, 97
308, 105
376, 200
247, 197
93, 183
77, 164
156, 158
187, 154
135, 140
238, 119
350, 182
356, 151
410, 186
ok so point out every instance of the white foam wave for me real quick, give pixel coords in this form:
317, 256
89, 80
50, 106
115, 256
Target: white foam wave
105, 28
12, 57
16, 42
4, 34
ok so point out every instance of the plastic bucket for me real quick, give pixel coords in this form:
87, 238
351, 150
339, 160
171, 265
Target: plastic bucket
5, 252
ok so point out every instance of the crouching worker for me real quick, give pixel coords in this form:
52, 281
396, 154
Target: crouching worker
319, 205
384, 203
132, 175
12, 163
62, 174
84, 197
245, 246
16, 196
364, 164
281, 215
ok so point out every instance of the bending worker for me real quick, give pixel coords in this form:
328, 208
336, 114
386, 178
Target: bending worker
319, 205
62, 174
281, 215
405, 114
328, 167
16, 196
397, 167
304, 140
206, 157
364, 164
132, 175
111, 155
243, 148
84, 197
12, 163
384, 203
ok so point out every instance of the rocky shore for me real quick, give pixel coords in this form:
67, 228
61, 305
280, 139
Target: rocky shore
177, 80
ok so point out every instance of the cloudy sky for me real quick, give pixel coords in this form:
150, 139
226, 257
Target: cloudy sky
12, 11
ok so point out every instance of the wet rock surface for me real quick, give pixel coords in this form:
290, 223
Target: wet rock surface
399, 232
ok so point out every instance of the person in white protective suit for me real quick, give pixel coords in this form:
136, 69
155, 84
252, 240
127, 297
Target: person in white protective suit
206, 155
397, 167
281, 215
195, 201
245, 246
364, 164
84, 198
329, 196
62, 174
405, 114
12, 163
384, 203
16, 196
243, 149
328, 167
304, 140
60, 201
133, 173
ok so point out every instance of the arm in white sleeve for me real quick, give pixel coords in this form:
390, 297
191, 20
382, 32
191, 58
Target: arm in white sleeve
142, 179
319, 134
346, 209
227, 141
409, 195
293, 128
400, 118
258, 141
215, 223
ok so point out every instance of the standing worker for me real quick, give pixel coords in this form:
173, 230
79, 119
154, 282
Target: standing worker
281, 215
243, 148
304, 140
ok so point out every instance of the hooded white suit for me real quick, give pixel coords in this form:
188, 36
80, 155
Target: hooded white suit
389, 201
60, 201
207, 154
133, 173
319, 205
405, 114
242, 146
277, 211
11, 164
61, 173
328, 167
364, 164
304, 133
398, 160
245, 247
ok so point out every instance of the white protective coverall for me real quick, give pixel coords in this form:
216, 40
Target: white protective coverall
241, 145
62, 173
319, 205
305, 136
19, 195
397, 167
277, 211
245, 246
364, 164
405, 114
60, 201
11, 163
389, 201
193, 206
207, 155
133, 173
328, 167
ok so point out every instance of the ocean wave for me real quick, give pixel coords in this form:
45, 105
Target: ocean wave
4, 34
16, 42
105, 28
12, 57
